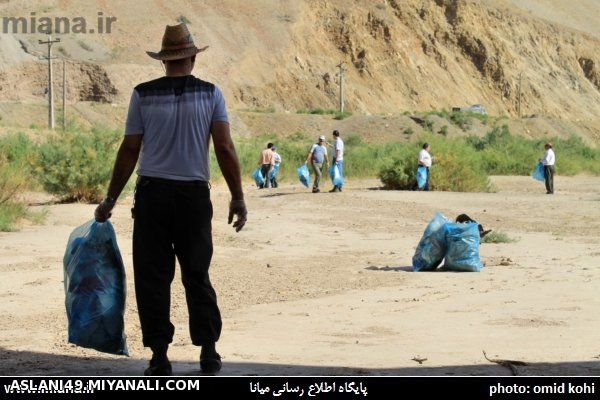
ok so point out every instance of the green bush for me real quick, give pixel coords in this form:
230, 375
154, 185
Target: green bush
11, 212
443, 130
461, 119
456, 168
400, 174
12, 183
497, 237
342, 115
76, 166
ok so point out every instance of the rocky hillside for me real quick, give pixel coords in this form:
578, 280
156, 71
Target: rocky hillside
399, 55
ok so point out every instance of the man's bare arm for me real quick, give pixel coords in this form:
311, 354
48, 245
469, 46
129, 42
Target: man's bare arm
124, 165
127, 158
230, 167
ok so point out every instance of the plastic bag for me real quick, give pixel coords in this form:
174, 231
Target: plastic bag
538, 173
421, 177
462, 240
304, 175
432, 247
336, 178
274, 171
95, 289
258, 178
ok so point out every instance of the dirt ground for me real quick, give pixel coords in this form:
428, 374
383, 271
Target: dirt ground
321, 284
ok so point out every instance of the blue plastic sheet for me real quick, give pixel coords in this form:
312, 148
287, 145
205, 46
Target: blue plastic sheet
95, 289
432, 247
258, 178
421, 177
274, 171
462, 253
538, 173
304, 175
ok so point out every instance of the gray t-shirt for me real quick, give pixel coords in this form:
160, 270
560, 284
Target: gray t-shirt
318, 153
175, 114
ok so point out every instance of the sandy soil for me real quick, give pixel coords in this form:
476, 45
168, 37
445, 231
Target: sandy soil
321, 284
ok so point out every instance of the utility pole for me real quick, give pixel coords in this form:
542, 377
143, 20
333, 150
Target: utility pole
341, 75
64, 107
50, 42
519, 95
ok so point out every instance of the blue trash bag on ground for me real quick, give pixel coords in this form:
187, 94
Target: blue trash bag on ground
95, 289
421, 177
274, 171
304, 175
432, 247
462, 240
258, 178
538, 173
336, 178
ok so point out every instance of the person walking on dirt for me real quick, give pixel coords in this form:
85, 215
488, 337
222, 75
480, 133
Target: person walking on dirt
425, 160
172, 119
266, 162
276, 165
317, 157
548, 160
338, 157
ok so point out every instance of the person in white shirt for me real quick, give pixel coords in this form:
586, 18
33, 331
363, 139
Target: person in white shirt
338, 157
275, 170
425, 160
548, 160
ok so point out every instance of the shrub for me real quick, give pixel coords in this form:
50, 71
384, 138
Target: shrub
408, 131
183, 20
400, 174
77, 165
12, 182
456, 168
497, 237
342, 115
461, 119
443, 130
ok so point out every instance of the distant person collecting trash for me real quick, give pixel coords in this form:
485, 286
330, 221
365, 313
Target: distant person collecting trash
171, 119
276, 166
317, 157
266, 162
425, 159
338, 158
548, 160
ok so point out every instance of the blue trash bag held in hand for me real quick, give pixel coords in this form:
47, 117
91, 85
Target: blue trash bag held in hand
462, 240
274, 171
432, 247
95, 289
538, 173
336, 177
421, 177
304, 175
258, 178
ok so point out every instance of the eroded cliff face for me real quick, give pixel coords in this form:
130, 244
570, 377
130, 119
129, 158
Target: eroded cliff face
398, 55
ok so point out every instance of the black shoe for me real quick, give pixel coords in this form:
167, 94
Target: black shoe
210, 362
316, 191
335, 190
159, 368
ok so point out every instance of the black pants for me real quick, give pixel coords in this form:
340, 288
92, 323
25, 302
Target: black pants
264, 170
173, 219
549, 178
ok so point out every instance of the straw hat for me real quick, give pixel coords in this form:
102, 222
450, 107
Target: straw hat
177, 43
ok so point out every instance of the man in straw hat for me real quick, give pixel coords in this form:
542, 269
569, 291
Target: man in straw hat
171, 119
